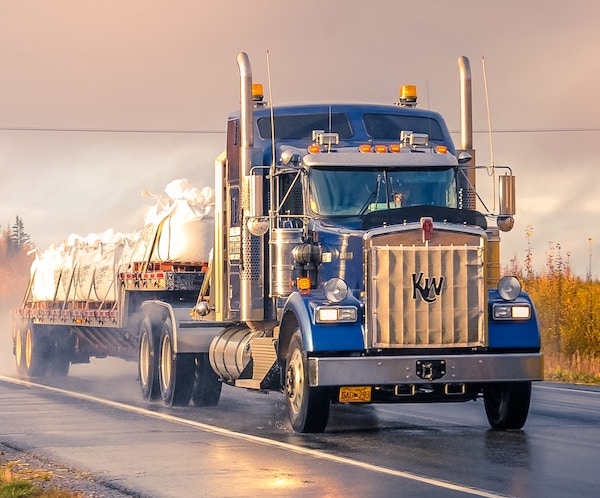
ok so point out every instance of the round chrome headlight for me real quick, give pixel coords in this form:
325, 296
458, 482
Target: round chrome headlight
509, 288
336, 290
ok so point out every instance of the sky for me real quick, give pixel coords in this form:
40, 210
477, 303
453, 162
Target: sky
101, 100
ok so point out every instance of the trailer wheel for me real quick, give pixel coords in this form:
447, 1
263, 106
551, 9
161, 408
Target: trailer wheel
19, 349
308, 407
36, 351
507, 404
148, 362
176, 371
60, 357
207, 385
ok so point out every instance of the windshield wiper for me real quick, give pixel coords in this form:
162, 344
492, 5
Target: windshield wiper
373, 196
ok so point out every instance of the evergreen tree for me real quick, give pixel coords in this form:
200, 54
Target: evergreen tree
18, 238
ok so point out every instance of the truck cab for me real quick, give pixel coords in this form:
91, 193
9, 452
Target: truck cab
353, 266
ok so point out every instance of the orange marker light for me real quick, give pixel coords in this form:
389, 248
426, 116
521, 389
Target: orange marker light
441, 149
314, 149
257, 92
395, 148
408, 92
303, 283
365, 148
381, 149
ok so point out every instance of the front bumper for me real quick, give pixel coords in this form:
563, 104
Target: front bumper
438, 369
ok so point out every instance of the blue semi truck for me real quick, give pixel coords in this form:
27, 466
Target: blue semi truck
350, 265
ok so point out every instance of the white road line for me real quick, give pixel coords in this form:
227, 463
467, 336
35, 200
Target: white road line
265, 441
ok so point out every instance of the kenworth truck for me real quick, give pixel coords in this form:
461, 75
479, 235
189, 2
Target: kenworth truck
350, 265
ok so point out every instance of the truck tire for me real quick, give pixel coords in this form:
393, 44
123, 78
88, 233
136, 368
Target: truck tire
507, 404
61, 346
37, 351
176, 371
308, 407
19, 349
148, 361
207, 385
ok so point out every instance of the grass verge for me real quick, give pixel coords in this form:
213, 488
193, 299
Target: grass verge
19, 480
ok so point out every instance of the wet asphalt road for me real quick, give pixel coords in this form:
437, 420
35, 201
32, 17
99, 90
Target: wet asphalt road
245, 446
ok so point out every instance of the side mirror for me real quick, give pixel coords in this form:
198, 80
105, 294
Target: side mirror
505, 219
464, 157
507, 195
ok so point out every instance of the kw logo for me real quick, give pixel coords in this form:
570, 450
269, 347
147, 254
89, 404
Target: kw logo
429, 290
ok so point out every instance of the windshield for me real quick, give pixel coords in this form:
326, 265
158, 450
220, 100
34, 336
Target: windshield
358, 191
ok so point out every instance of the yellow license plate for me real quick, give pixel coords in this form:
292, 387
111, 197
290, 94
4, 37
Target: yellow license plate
355, 394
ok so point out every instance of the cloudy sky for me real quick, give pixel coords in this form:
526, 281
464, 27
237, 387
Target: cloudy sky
100, 100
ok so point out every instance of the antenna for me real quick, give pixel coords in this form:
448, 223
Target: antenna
487, 103
272, 113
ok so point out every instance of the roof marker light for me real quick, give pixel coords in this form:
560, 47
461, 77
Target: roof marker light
257, 92
381, 149
408, 96
365, 148
314, 149
395, 148
441, 149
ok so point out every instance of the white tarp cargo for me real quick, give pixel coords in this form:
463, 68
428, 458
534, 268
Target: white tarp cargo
178, 228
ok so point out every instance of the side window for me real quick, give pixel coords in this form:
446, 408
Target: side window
290, 200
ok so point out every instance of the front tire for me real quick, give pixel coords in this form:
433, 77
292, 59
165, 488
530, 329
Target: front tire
308, 407
507, 404
176, 371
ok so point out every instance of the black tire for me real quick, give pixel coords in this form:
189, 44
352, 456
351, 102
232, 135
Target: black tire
507, 404
19, 349
37, 351
308, 407
148, 361
207, 385
175, 372
62, 345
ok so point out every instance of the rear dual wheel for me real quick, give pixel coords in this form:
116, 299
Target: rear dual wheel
148, 361
19, 348
176, 370
36, 351
174, 377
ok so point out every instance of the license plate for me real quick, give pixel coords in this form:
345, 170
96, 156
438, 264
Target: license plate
355, 394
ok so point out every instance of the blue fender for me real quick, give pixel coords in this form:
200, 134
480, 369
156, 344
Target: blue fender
324, 337
513, 334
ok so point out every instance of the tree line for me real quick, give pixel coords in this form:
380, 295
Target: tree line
568, 310
15, 261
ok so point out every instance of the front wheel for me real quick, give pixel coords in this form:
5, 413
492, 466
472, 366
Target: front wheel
507, 404
176, 371
308, 407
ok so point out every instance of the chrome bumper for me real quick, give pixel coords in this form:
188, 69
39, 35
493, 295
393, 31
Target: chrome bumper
392, 370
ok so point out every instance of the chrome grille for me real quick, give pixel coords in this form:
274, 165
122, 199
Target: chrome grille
426, 296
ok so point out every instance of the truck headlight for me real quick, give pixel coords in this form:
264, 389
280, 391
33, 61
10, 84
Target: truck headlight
336, 314
336, 290
509, 288
512, 311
